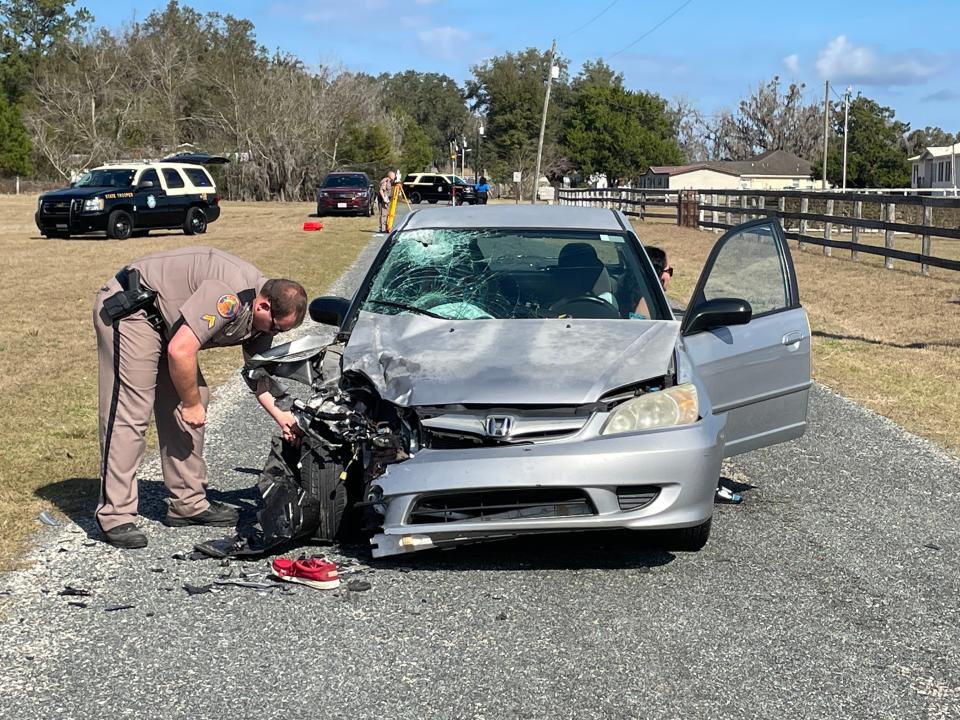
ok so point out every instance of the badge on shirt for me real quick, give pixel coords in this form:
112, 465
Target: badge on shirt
228, 306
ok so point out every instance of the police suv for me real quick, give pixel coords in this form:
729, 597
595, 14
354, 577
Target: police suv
130, 199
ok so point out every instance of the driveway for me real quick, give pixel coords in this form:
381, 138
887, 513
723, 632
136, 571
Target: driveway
831, 591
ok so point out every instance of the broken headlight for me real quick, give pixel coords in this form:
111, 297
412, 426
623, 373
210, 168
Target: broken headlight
676, 405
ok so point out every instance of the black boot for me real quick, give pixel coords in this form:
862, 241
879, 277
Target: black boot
127, 536
217, 515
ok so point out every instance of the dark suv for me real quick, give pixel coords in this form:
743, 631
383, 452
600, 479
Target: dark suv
346, 192
435, 187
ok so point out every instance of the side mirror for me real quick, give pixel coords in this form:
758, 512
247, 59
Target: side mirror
145, 184
73, 183
717, 313
329, 310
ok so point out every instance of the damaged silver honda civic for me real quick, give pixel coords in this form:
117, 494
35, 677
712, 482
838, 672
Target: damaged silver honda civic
505, 370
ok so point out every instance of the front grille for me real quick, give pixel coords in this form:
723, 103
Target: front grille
497, 505
634, 497
56, 207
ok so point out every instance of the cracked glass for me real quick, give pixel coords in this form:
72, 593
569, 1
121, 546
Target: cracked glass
513, 274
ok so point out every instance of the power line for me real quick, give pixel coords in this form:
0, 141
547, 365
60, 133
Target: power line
648, 32
591, 20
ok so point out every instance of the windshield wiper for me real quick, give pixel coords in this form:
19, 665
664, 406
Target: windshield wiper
411, 308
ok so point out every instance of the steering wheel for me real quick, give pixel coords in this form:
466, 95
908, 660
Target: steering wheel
585, 306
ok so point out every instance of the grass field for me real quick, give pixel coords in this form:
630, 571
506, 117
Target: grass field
889, 339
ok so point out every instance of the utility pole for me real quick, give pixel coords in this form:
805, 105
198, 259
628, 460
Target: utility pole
543, 122
846, 118
826, 129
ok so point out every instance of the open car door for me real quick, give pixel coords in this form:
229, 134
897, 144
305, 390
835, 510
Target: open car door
757, 373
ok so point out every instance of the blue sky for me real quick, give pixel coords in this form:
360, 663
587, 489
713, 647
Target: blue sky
905, 55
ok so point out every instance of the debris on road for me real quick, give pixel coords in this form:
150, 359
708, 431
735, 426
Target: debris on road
115, 608
47, 519
358, 586
77, 604
70, 591
197, 589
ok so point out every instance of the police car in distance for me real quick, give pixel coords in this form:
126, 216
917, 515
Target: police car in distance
130, 199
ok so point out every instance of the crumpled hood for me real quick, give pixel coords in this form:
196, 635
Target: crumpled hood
417, 360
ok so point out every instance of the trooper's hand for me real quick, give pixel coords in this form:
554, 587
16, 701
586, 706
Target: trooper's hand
289, 427
193, 415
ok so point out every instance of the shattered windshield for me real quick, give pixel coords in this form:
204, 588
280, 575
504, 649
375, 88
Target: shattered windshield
114, 177
466, 274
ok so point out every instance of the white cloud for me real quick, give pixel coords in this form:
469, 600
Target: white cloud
446, 42
792, 63
843, 62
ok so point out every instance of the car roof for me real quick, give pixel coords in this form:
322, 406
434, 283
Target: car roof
143, 165
559, 217
346, 172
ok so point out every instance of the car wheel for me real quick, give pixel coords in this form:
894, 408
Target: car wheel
688, 539
432, 202
415, 198
119, 225
320, 477
320, 212
195, 223
370, 210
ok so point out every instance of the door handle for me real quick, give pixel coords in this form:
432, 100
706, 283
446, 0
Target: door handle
792, 338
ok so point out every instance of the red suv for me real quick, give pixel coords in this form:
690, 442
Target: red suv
346, 192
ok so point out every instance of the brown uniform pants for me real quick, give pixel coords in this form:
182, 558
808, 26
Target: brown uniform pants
135, 380
384, 212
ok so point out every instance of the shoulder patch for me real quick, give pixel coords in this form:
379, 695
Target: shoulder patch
228, 306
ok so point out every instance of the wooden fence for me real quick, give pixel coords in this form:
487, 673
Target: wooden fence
801, 212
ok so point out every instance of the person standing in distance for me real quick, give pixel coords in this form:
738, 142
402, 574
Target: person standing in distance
383, 197
151, 320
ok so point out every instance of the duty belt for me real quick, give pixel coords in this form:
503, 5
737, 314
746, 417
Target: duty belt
133, 298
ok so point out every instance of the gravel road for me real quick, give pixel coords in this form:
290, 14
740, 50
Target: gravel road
831, 592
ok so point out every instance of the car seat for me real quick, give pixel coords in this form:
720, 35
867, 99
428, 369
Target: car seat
579, 271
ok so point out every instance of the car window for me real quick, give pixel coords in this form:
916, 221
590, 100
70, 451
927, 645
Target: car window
345, 181
749, 266
513, 274
174, 179
112, 177
150, 175
199, 177
409, 179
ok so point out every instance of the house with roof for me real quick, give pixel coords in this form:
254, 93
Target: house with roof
773, 170
935, 167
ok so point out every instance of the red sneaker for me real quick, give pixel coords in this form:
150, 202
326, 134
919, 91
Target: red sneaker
315, 572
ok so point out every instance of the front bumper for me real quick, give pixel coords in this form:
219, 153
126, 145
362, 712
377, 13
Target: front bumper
74, 223
343, 205
683, 463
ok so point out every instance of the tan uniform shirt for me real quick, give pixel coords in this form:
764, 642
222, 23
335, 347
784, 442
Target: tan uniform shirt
386, 188
210, 291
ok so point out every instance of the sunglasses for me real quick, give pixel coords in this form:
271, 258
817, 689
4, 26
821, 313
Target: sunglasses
668, 271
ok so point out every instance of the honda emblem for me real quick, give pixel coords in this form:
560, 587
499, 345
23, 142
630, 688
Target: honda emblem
499, 425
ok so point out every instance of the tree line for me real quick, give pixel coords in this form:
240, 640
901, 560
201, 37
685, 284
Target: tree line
73, 96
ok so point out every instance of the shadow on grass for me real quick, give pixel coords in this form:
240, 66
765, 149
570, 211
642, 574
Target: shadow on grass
885, 343
77, 498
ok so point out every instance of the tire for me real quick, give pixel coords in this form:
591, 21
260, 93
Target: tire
432, 202
688, 539
119, 225
320, 477
320, 212
370, 211
195, 223
416, 198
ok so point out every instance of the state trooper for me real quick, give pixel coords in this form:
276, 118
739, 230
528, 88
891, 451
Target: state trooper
151, 320
384, 193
